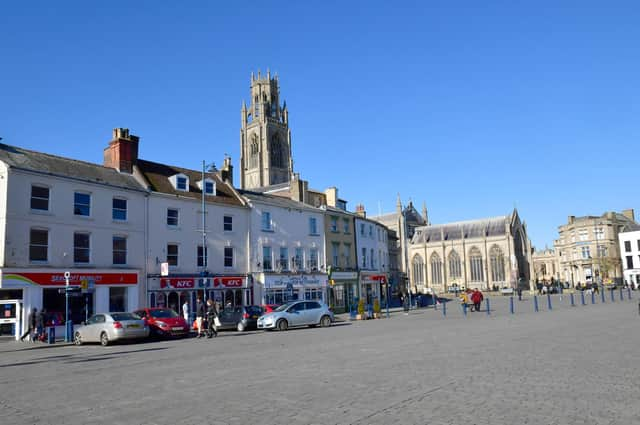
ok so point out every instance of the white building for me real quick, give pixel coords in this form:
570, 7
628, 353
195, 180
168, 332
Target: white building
630, 253
372, 255
58, 215
286, 245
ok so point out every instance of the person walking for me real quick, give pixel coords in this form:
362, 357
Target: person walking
476, 298
464, 299
41, 319
185, 311
519, 291
212, 315
31, 325
200, 312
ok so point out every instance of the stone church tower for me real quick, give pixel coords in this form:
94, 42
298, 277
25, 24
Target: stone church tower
265, 138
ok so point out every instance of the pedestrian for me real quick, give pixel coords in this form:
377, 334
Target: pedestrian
200, 311
185, 311
464, 299
212, 315
519, 291
31, 325
476, 298
41, 319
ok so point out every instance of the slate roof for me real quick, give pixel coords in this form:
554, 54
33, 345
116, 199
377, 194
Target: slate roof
157, 175
494, 226
42, 163
278, 201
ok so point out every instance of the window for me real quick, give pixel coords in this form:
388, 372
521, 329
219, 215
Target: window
629, 261
172, 217
313, 226
81, 248
475, 261
455, 269
334, 224
181, 183
117, 299
418, 270
266, 220
599, 232
283, 264
172, 254
361, 229
638, 244
202, 261
38, 245
345, 225
347, 255
583, 234
602, 251
297, 260
119, 250
586, 253
370, 231
40, 198
209, 187
497, 264
266, 258
227, 222
228, 256
364, 258
372, 259
436, 269
335, 254
313, 258
627, 246
119, 209
82, 204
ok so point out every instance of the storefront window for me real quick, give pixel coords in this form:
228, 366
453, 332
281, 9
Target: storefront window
80, 307
117, 299
313, 294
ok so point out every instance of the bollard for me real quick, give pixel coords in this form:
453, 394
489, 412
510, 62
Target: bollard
549, 302
582, 297
593, 297
488, 307
621, 295
573, 304
535, 303
464, 309
613, 299
629, 293
444, 309
602, 295
511, 304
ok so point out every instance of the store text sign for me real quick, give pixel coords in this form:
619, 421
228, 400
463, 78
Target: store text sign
75, 278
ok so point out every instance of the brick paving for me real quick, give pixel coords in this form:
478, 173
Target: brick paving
571, 365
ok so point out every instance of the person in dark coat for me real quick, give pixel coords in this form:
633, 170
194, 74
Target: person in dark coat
200, 316
212, 314
41, 319
31, 325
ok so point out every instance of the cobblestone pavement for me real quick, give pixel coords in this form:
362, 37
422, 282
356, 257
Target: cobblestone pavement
571, 365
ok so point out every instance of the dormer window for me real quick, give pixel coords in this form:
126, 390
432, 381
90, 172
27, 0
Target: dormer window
209, 186
180, 182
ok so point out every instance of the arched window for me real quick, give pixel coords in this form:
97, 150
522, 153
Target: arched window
418, 270
436, 269
254, 151
455, 269
475, 265
277, 159
497, 264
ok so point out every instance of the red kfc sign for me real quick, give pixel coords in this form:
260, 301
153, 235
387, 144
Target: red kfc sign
178, 282
228, 281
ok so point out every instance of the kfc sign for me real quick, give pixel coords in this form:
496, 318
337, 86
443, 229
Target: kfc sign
228, 282
178, 283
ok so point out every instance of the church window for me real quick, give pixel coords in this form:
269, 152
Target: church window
497, 264
436, 269
475, 262
418, 270
253, 152
455, 269
277, 159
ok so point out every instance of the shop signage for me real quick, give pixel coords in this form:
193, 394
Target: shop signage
294, 281
375, 278
190, 282
75, 278
344, 275
178, 282
228, 281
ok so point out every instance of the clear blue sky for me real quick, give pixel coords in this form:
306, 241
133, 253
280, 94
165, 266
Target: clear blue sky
472, 107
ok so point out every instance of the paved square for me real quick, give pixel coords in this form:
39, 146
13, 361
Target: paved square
571, 365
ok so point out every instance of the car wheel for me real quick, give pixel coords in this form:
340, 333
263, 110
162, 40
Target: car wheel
240, 327
77, 339
283, 325
325, 321
104, 339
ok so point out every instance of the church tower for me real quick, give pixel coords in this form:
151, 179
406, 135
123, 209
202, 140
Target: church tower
265, 138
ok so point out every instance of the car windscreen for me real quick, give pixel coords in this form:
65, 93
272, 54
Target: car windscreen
283, 307
165, 313
254, 310
124, 316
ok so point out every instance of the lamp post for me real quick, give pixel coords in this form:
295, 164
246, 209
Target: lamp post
203, 272
67, 337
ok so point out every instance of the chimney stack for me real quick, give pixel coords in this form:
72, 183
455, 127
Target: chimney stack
361, 211
629, 214
226, 172
122, 152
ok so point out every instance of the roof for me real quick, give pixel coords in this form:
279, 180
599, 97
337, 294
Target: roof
494, 226
278, 201
158, 177
47, 164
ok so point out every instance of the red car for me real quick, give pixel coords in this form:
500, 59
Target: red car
163, 322
268, 308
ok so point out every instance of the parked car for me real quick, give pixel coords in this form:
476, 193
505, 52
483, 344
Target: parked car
163, 322
106, 328
268, 308
240, 318
297, 313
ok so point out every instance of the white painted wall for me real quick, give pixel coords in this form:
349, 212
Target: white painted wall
374, 237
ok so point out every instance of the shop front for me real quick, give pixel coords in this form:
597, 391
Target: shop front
372, 286
102, 291
343, 291
173, 291
279, 289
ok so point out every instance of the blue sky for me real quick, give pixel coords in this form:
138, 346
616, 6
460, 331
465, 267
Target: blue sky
472, 107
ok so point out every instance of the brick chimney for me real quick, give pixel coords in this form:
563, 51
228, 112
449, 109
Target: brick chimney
122, 152
361, 211
629, 214
226, 173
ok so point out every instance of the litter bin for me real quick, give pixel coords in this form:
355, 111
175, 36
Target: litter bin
51, 335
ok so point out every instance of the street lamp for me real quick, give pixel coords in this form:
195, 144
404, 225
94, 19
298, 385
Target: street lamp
203, 188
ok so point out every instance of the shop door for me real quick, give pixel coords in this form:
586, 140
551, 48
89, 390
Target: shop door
10, 311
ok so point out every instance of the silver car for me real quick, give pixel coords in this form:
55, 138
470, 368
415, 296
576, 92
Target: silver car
297, 313
109, 327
